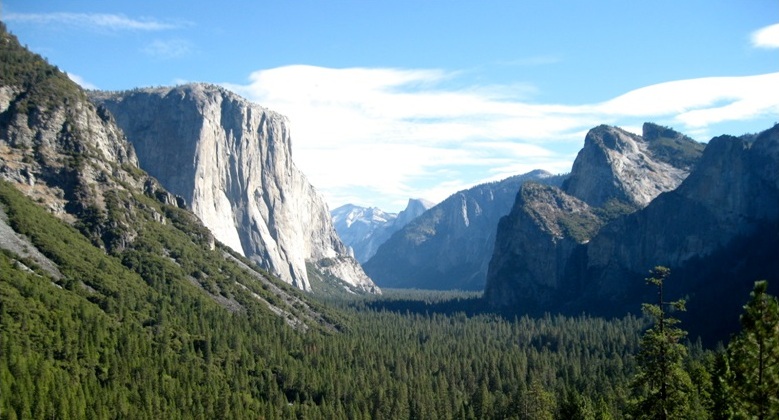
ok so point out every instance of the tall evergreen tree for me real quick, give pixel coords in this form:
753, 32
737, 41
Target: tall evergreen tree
661, 386
754, 357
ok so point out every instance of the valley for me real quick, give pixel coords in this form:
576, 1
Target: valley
163, 257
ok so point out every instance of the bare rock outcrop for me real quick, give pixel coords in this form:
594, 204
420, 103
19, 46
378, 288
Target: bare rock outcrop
616, 164
231, 162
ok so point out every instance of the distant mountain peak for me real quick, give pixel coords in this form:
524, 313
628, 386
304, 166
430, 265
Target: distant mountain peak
364, 229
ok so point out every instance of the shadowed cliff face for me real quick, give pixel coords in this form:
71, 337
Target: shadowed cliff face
541, 245
732, 194
231, 161
534, 243
718, 231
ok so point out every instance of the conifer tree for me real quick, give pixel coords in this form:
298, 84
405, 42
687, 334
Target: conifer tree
754, 357
661, 386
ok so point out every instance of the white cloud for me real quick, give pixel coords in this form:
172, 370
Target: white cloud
398, 133
81, 82
767, 37
93, 20
700, 102
171, 48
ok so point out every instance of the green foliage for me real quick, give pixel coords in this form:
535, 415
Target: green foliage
613, 209
169, 328
155, 320
751, 368
662, 387
672, 147
581, 226
135, 335
44, 84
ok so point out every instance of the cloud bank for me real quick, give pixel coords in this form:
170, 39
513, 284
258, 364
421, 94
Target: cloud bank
398, 133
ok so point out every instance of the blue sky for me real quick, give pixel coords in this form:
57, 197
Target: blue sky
391, 100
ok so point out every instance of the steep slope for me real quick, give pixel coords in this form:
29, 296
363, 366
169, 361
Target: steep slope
231, 161
539, 245
115, 302
450, 245
60, 150
64, 152
534, 243
364, 229
717, 231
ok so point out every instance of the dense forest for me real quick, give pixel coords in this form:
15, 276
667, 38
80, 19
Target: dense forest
114, 337
171, 325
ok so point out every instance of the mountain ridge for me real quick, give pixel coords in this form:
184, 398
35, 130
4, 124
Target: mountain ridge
718, 224
449, 246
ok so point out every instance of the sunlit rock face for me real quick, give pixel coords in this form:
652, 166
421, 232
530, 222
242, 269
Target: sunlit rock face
231, 160
616, 164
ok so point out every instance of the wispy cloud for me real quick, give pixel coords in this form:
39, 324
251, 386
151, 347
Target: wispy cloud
104, 21
171, 48
767, 37
402, 133
81, 82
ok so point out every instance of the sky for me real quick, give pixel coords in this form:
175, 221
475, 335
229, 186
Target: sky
391, 100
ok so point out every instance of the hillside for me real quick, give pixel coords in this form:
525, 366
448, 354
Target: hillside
449, 246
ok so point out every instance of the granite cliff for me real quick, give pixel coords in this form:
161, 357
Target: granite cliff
450, 245
716, 229
539, 245
618, 165
83, 226
231, 161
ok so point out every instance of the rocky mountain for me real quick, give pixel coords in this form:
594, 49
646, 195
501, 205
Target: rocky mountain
231, 161
618, 165
450, 245
86, 225
615, 173
63, 151
717, 230
77, 210
363, 229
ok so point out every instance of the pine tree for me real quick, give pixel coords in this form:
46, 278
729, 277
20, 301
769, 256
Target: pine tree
662, 387
754, 357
